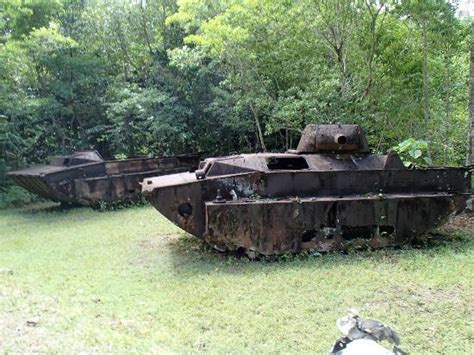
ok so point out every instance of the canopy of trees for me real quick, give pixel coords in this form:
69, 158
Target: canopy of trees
148, 77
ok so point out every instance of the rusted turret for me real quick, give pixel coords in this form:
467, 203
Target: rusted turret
332, 138
85, 178
330, 193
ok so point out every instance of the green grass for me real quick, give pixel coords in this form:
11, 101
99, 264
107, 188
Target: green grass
129, 280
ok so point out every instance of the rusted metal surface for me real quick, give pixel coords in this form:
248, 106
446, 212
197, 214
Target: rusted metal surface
85, 178
332, 138
324, 196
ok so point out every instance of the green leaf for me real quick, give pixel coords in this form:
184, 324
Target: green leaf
416, 154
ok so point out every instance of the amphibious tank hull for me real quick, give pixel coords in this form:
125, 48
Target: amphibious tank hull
84, 178
320, 200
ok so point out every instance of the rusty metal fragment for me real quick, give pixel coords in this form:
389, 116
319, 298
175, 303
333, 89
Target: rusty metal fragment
329, 194
85, 178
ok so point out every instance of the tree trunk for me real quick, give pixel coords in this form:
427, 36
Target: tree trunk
426, 92
470, 153
259, 128
447, 103
426, 98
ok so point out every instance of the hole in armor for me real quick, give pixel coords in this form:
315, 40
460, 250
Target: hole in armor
185, 209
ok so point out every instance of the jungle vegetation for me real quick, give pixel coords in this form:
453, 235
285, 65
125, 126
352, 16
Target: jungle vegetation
149, 77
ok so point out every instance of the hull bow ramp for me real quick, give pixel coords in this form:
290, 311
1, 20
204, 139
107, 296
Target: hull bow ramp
329, 194
85, 178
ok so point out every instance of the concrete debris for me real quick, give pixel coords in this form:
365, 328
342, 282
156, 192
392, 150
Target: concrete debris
362, 335
364, 347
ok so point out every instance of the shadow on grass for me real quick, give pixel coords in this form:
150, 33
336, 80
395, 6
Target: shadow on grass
48, 213
48, 208
39, 207
191, 255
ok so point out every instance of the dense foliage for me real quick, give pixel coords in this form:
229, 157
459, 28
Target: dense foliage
163, 76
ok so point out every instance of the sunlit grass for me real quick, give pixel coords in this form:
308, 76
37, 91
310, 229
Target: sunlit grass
129, 280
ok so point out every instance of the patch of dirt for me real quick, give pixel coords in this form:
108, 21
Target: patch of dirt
464, 222
428, 295
147, 249
157, 242
423, 299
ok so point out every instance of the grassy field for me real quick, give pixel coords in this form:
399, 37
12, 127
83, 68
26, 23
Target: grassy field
128, 280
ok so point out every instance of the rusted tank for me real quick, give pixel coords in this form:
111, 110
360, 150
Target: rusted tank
330, 193
85, 178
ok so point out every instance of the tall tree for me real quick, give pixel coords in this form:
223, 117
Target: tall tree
470, 155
